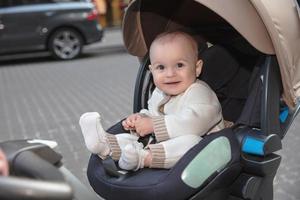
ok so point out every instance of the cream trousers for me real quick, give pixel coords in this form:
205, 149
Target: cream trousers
165, 154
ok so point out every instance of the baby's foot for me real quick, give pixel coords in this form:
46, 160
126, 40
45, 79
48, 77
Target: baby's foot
133, 156
93, 133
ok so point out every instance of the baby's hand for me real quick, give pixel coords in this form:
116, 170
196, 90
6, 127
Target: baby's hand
144, 126
129, 122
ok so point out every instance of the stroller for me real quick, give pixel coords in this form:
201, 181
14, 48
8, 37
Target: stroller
251, 61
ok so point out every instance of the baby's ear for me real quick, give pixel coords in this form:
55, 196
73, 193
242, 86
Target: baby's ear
199, 66
150, 68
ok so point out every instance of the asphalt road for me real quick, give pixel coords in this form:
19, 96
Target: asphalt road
43, 98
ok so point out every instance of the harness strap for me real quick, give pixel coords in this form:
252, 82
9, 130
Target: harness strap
111, 168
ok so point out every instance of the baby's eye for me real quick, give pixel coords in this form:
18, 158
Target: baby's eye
160, 67
179, 65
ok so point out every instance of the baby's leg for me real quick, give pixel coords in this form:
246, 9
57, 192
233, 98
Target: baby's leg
166, 154
130, 153
133, 156
118, 142
95, 137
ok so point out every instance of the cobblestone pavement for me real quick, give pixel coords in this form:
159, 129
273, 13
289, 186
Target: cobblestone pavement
45, 98
42, 98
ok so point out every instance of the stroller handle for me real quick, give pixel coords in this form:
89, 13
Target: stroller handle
12, 188
34, 173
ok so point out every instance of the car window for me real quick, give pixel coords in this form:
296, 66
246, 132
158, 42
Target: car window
9, 3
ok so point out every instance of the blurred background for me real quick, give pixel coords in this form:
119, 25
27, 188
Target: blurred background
110, 11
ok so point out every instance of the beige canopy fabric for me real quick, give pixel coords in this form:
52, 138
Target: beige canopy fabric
272, 27
132, 31
245, 19
283, 24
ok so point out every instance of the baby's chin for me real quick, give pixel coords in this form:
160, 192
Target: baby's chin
173, 93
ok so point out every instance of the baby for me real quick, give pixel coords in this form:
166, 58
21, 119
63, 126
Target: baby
180, 110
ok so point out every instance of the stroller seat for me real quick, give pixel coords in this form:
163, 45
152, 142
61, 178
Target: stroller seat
212, 163
179, 182
261, 97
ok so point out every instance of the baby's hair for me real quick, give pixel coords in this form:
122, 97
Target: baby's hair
171, 35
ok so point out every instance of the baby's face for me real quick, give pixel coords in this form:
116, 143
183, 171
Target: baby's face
174, 66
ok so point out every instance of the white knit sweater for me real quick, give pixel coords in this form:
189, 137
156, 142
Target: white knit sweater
195, 111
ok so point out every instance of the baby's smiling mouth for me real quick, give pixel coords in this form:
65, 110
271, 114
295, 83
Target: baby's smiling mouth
172, 82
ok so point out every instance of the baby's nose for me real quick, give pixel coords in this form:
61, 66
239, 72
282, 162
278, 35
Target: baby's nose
170, 71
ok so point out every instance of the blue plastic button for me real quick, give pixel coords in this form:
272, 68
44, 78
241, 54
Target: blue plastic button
284, 112
253, 145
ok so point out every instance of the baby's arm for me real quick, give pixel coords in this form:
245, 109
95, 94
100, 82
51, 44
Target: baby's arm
198, 111
195, 119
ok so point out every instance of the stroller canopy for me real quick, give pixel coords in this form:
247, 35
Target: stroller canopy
271, 27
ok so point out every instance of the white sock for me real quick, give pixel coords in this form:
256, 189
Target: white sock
133, 156
93, 133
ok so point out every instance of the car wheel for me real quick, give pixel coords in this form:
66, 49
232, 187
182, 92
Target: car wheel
65, 44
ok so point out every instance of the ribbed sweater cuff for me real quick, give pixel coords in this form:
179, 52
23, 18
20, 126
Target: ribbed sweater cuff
158, 155
160, 129
114, 146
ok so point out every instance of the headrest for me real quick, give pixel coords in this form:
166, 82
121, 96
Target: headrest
219, 67
229, 81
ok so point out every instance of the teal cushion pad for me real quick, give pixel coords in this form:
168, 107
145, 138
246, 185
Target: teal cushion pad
210, 160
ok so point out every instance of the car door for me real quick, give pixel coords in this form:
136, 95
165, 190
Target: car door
20, 28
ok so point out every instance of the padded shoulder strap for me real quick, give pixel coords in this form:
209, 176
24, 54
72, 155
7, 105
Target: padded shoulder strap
251, 112
111, 168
